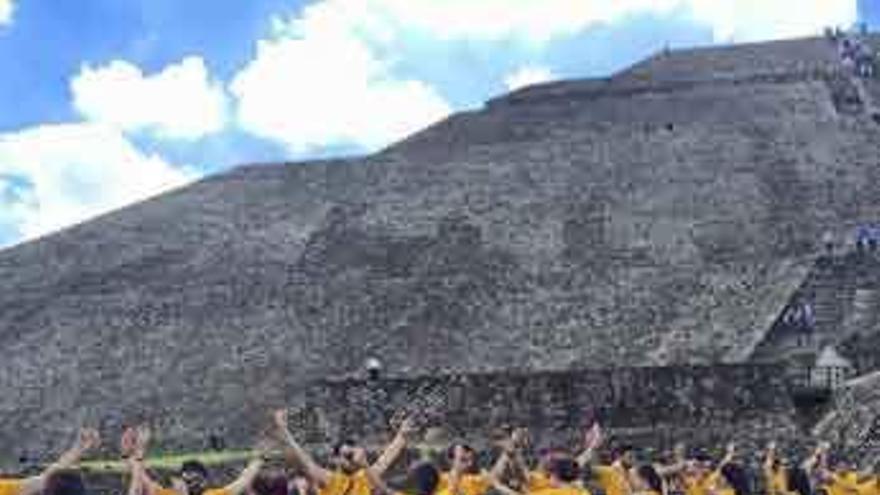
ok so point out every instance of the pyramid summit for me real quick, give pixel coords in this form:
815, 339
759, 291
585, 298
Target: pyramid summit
667, 215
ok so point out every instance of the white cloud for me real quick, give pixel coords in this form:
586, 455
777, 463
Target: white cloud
547, 19
73, 172
179, 102
328, 76
323, 85
749, 20
528, 75
7, 7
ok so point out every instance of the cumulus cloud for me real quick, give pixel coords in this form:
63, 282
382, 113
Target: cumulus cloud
180, 101
328, 75
6, 9
749, 20
547, 19
321, 85
54, 176
526, 76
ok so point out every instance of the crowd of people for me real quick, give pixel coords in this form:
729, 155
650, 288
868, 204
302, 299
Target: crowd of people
854, 53
281, 466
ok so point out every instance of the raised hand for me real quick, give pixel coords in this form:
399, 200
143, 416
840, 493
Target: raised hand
128, 442
144, 434
88, 439
680, 451
280, 417
520, 438
408, 427
593, 437
359, 458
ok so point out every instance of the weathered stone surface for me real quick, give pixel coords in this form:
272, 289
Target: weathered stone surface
710, 403
853, 425
632, 221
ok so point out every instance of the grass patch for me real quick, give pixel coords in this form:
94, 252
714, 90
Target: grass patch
171, 461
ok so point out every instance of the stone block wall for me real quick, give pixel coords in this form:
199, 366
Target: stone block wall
652, 406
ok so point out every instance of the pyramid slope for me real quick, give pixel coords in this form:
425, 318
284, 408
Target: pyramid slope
632, 228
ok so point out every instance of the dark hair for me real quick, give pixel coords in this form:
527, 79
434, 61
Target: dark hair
621, 450
564, 468
651, 477
194, 466
450, 452
798, 481
345, 442
424, 478
65, 483
270, 483
735, 476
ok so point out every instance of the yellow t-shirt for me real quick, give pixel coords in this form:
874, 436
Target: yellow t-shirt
469, 484
537, 481
871, 487
561, 490
172, 491
700, 485
777, 482
613, 480
346, 484
11, 487
842, 483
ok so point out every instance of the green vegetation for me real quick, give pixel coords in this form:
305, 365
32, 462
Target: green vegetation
171, 461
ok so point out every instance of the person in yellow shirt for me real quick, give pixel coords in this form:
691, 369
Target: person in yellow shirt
842, 480
193, 475
646, 480
613, 478
58, 475
347, 477
775, 472
699, 477
464, 477
733, 481
524, 478
423, 478
564, 474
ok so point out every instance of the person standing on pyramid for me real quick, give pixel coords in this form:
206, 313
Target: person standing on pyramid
56, 478
348, 476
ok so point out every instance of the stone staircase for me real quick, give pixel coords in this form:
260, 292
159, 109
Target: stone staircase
846, 302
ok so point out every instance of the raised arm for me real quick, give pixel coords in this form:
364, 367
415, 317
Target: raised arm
770, 456
769, 461
592, 440
678, 464
501, 487
86, 440
815, 460
245, 478
136, 447
729, 455
505, 457
393, 450
313, 471
378, 485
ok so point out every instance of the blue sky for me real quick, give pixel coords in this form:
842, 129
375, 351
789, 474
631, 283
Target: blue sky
106, 102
